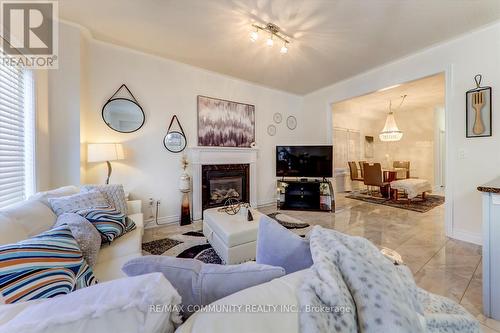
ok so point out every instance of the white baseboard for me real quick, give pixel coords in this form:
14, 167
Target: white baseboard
175, 219
162, 221
467, 236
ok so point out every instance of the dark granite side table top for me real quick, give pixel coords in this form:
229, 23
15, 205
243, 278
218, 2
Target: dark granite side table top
492, 186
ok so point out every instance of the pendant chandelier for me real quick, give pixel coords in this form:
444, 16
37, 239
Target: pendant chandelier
391, 131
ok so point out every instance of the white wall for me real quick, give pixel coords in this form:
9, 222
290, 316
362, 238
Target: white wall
164, 88
462, 58
64, 98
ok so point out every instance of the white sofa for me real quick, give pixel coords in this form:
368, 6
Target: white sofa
34, 216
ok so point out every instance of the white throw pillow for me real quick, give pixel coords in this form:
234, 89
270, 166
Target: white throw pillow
77, 202
136, 304
30, 215
114, 193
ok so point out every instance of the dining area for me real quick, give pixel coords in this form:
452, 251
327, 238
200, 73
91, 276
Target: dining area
393, 183
390, 147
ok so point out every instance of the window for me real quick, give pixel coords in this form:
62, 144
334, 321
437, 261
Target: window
17, 124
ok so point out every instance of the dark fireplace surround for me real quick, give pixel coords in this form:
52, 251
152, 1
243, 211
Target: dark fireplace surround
221, 181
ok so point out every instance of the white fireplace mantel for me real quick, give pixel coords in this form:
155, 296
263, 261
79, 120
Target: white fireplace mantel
200, 156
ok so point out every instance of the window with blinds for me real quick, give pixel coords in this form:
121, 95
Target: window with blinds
16, 134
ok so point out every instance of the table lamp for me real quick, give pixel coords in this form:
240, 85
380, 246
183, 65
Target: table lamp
105, 152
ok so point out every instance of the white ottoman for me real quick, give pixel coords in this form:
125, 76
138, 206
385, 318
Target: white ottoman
412, 186
232, 236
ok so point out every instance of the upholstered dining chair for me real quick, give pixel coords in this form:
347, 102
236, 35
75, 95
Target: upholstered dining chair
373, 175
361, 168
353, 169
402, 169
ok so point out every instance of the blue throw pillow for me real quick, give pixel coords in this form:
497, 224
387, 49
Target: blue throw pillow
200, 284
108, 221
45, 266
278, 246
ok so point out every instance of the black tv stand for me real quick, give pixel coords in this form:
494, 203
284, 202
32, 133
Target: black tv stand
298, 194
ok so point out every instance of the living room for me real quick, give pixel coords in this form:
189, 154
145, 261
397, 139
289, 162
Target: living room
142, 95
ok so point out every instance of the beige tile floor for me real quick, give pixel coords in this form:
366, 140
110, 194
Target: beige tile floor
441, 265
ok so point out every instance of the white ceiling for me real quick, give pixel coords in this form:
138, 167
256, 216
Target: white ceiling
332, 39
423, 94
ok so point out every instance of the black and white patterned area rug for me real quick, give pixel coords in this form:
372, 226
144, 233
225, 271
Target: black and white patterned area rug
194, 244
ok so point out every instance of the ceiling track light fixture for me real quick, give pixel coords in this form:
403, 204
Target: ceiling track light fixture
274, 32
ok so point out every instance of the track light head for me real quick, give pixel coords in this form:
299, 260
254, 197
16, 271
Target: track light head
270, 41
284, 49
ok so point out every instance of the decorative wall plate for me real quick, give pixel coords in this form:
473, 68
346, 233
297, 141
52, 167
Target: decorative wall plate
271, 130
278, 118
291, 122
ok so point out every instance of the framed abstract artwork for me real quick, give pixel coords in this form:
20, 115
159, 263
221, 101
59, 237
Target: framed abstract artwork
223, 123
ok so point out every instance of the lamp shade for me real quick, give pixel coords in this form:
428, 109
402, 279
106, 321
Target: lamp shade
102, 152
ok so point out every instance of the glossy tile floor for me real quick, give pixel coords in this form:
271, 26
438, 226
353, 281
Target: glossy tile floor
440, 265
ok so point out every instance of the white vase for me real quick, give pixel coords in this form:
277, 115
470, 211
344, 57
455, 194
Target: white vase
185, 183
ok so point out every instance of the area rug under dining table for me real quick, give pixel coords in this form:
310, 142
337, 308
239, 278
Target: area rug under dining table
193, 244
417, 204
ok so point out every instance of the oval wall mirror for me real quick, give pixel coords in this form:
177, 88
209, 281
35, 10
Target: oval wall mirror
123, 115
175, 142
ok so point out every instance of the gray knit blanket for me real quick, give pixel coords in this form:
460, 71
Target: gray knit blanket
352, 287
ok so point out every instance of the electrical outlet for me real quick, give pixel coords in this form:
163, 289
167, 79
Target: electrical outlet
151, 208
462, 154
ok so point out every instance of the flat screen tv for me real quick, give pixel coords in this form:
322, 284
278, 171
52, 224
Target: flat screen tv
304, 161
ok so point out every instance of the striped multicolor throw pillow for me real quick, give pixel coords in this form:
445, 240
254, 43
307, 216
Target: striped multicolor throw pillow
108, 221
45, 266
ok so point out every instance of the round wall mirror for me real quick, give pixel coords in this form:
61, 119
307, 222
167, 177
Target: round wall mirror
123, 115
175, 142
